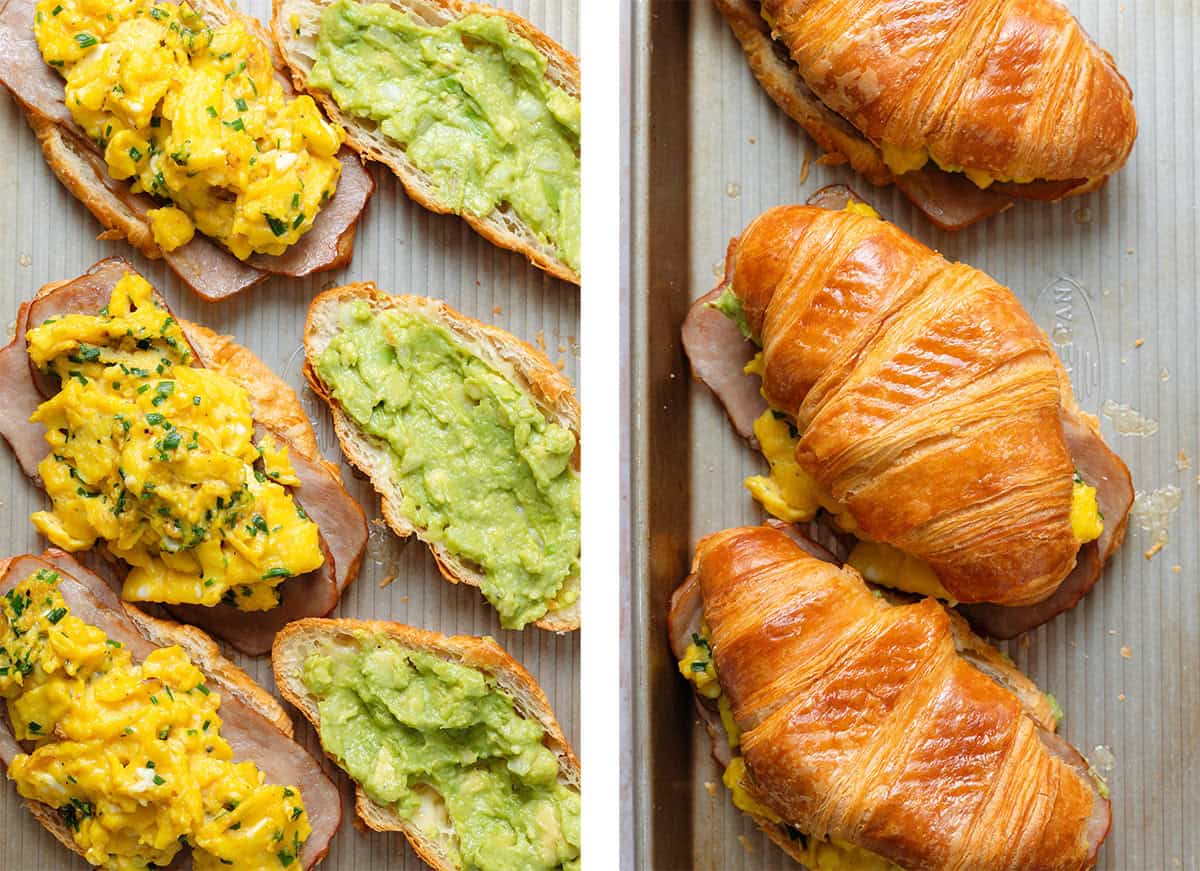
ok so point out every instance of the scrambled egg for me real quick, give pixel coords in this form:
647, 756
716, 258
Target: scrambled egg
901, 160
883, 564
157, 459
788, 492
194, 116
130, 755
828, 855
1086, 520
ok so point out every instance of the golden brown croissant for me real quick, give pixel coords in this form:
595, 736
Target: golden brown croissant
883, 728
928, 405
1010, 94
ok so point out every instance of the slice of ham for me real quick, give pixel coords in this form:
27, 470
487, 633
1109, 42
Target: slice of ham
24, 387
251, 736
1100, 821
718, 353
950, 199
208, 268
342, 524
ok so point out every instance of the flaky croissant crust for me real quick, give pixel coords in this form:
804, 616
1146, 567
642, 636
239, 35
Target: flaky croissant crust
862, 723
1014, 88
928, 401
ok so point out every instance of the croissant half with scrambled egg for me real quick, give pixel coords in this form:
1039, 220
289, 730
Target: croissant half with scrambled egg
917, 404
885, 736
181, 453
173, 124
132, 740
963, 104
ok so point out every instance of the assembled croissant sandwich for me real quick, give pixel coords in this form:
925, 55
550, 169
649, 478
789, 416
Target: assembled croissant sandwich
181, 453
861, 734
448, 740
916, 403
963, 105
133, 741
469, 435
173, 125
473, 108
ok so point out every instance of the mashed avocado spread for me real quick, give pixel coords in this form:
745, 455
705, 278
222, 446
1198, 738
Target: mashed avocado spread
412, 727
481, 469
470, 104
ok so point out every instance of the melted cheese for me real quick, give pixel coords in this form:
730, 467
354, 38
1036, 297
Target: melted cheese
156, 458
788, 492
697, 665
131, 755
883, 564
194, 116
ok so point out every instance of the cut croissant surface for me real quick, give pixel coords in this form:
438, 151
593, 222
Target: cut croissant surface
927, 402
889, 728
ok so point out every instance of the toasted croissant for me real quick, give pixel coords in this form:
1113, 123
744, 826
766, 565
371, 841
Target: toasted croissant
861, 722
1013, 93
928, 402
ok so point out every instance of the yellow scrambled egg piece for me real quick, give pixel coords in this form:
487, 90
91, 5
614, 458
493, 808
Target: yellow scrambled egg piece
883, 564
156, 458
194, 116
788, 492
857, 208
131, 756
1086, 520
901, 160
697, 665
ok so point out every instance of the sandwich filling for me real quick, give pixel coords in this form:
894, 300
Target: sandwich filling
481, 470
790, 493
818, 854
470, 104
193, 116
131, 754
156, 458
445, 748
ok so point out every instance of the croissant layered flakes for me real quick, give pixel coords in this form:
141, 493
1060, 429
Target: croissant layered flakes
963, 103
918, 404
889, 735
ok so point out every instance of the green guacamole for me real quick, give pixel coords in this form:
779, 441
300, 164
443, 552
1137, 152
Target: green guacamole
730, 305
481, 469
470, 104
404, 723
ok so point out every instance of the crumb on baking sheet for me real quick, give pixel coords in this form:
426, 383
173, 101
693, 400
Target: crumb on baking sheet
1121, 697
710, 787
1177, 569
1182, 461
386, 581
498, 310
1137, 343
1152, 551
540, 338
745, 842
1126, 653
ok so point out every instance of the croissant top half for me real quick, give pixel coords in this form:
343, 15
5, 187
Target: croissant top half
862, 723
928, 401
1012, 88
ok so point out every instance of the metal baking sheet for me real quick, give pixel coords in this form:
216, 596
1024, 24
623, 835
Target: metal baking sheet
46, 235
1114, 272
